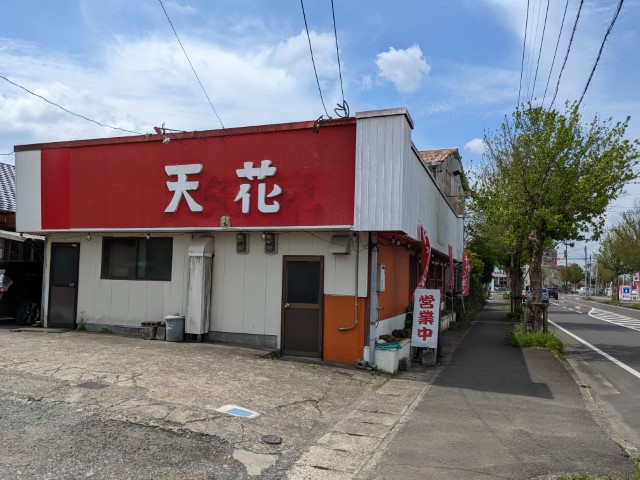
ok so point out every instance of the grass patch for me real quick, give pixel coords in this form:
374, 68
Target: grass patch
515, 316
635, 306
519, 337
633, 476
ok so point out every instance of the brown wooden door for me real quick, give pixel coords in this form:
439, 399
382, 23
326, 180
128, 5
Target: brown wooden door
302, 306
63, 284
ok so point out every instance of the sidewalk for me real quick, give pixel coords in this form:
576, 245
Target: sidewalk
498, 412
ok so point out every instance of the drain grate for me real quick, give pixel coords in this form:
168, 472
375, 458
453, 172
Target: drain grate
237, 411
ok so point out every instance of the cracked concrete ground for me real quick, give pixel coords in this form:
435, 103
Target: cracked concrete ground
177, 387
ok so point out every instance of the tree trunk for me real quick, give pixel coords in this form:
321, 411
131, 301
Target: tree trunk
535, 307
515, 277
615, 289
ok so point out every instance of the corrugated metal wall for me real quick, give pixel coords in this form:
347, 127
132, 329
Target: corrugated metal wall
394, 191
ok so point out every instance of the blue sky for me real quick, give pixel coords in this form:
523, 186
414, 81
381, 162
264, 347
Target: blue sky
454, 64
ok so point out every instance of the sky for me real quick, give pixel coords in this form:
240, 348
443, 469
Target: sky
456, 65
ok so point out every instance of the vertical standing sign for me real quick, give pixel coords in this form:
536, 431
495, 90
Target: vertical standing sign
466, 274
426, 318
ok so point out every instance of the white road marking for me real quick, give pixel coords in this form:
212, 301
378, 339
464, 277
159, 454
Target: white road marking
633, 372
616, 319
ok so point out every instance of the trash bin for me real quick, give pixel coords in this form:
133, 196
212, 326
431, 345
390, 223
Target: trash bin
174, 328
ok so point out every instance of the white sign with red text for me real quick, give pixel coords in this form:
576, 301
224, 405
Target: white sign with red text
426, 318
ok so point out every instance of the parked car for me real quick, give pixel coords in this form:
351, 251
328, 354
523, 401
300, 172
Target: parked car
553, 292
545, 294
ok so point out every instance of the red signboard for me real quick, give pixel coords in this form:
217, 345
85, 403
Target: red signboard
275, 178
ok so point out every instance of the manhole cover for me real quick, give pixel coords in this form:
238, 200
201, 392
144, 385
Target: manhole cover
93, 385
272, 439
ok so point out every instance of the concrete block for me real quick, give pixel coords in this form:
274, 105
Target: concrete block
160, 333
148, 333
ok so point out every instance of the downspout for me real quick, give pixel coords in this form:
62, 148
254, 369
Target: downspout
373, 301
356, 239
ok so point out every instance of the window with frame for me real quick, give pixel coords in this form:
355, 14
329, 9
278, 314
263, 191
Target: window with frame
137, 258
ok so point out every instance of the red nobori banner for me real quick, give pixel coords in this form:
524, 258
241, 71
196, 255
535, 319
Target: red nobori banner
452, 270
426, 318
276, 178
466, 274
426, 256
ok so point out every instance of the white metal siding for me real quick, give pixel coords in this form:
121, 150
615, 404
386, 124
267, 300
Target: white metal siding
123, 302
381, 143
394, 191
247, 288
28, 204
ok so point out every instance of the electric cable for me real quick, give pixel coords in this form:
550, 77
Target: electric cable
524, 49
191, 65
7, 154
593, 70
533, 45
69, 111
312, 60
341, 110
575, 25
556, 50
544, 29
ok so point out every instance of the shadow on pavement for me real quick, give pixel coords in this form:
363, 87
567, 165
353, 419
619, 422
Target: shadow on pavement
484, 362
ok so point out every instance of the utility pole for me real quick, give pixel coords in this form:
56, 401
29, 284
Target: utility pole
585, 270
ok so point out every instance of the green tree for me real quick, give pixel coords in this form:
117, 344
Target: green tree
612, 254
551, 177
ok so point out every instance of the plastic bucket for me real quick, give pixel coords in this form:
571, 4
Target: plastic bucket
174, 328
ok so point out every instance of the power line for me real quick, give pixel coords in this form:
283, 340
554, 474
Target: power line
544, 29
312, 59
575, 25
191, 65
69, 111
533, 44
342, 110
524, 49
7, 154
556, 50
593, 70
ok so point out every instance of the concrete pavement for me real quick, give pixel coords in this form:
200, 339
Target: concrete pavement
499, 412
488, 412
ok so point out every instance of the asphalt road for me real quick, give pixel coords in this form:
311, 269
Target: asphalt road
603, 345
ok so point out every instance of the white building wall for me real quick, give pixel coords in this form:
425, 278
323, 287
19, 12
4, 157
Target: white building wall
394, 191
247, 288
122, 302
28, 191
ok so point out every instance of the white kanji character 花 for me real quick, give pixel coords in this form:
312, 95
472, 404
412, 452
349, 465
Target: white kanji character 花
258, 173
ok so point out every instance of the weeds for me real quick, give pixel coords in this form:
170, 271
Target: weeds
106, 330
633, 476
519, 337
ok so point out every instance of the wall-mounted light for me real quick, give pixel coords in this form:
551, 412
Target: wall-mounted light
89, 236
147, 236
242, 242
270, 242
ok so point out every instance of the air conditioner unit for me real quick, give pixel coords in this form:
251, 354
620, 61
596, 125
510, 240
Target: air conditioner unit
340, 244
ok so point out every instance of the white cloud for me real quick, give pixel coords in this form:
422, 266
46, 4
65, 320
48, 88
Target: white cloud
140, 83
404, 68
475, 145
